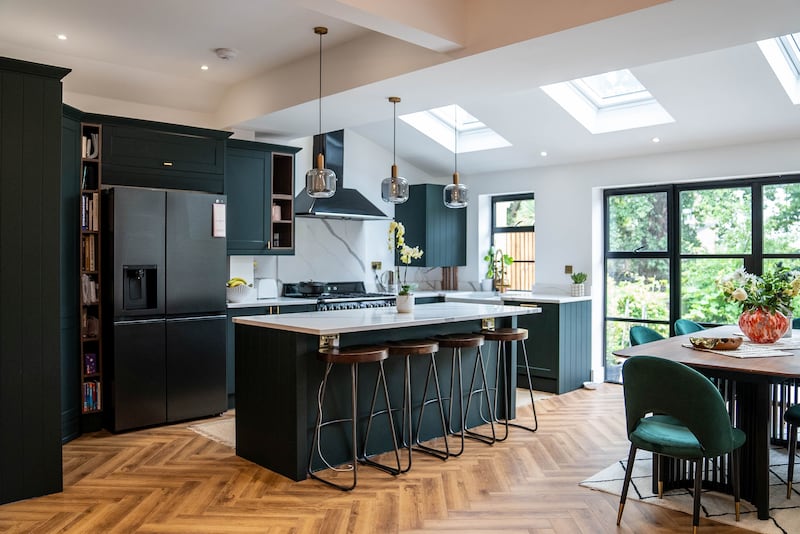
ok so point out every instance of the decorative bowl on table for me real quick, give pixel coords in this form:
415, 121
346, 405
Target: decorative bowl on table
716, 343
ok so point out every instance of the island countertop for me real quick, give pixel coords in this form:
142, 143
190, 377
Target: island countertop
323, 323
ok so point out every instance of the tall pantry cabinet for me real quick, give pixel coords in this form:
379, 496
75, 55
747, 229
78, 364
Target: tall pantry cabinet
30, 322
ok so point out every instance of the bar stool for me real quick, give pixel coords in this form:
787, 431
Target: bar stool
406, 349
505, 336
353, 356
457, 342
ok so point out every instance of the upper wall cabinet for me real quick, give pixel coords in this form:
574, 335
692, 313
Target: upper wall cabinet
153, 154
259, 184
438, 230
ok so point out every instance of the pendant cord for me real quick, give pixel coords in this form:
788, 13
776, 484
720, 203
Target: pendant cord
394, 136
455, 129
320, 84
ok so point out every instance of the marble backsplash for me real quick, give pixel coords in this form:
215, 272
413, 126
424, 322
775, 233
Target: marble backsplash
336, 250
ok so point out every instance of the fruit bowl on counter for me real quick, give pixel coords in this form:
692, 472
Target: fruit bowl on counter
238, 290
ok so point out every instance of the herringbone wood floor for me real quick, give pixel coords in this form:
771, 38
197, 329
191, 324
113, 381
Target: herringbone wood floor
169, 480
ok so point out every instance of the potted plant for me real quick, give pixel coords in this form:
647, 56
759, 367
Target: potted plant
405, 298
487, 284
577, 289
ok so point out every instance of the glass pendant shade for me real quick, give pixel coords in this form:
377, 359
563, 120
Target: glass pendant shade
320, 182
456, 195
395, 188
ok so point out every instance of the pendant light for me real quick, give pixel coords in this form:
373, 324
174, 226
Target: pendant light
395, 188
320, 182
455, 194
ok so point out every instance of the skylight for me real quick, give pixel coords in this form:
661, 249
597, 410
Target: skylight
440, 123
783, 55
609, 102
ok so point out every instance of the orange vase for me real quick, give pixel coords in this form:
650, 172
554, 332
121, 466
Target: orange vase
763, 326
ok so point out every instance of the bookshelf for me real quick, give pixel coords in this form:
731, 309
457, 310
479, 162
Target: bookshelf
90, 302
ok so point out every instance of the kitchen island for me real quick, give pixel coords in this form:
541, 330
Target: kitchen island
278, 374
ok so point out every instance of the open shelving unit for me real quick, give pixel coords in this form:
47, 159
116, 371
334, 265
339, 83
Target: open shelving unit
282, 216
90, 282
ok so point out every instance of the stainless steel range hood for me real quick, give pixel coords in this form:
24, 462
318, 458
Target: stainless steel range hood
345, 203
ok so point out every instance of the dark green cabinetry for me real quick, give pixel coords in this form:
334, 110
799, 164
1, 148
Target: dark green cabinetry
153, 154
259, 185
438, 230
30, 288
230, 365
558, 345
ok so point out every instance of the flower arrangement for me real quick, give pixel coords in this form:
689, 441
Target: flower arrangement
397, 240
773, 291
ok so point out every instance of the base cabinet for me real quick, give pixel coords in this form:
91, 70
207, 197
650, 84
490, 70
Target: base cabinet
558, 346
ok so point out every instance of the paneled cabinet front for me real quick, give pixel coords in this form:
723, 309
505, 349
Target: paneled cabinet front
259, 185
162, 155
438, 230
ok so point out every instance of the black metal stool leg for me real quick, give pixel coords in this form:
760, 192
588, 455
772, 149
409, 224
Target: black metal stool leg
501, 345
530, 392
792, 451
315, 442
365, 459
439, 453
460, 432
481, 391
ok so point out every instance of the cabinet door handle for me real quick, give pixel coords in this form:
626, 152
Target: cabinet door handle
526, 305
269, 244
167, 164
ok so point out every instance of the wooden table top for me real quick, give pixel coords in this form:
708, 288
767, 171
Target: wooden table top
672, 349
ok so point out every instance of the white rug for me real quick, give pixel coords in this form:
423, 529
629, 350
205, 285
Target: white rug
784, 514
220, 430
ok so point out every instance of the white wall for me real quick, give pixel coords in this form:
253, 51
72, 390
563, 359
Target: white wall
569, 225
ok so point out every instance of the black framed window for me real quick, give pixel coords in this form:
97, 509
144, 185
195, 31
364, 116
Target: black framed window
665, 246
513, 222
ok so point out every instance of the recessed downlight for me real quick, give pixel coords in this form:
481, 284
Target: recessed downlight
61, 37
656, 139
203, 67
543, 153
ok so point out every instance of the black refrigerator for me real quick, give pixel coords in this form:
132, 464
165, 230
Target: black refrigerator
164, 272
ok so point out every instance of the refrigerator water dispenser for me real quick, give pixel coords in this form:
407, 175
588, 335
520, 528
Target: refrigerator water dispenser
139, 287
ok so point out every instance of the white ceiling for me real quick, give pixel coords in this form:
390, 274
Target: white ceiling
697, 57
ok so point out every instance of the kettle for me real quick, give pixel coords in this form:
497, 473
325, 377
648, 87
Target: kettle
388, 282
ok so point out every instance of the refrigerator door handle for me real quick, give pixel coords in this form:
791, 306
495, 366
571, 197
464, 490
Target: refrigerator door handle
198, 318
122, 322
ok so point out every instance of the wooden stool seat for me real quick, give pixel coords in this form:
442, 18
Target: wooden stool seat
412, 347
505, 334
354, 354
460, 341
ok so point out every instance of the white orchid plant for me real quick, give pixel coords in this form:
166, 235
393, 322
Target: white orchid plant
397, 240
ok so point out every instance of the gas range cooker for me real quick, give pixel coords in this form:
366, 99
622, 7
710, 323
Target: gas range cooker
338, 295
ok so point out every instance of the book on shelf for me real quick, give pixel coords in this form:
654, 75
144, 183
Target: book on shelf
91, 396
89, 176
88, 289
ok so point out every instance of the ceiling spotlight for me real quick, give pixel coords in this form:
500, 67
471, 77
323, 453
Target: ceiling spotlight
203, 67
61, 37
656, 139
543, 153
226, 53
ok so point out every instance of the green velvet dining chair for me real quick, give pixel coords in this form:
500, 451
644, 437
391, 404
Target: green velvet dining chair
796, 323
643, 334
674, 411
792, 418
685, 326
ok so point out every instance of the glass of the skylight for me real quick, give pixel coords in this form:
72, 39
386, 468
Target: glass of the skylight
612, 88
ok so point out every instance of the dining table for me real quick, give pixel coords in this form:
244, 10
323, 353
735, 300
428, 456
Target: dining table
748, 374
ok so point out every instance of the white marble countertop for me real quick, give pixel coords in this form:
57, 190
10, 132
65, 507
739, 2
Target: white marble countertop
367, 319
276, 301
510, 296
